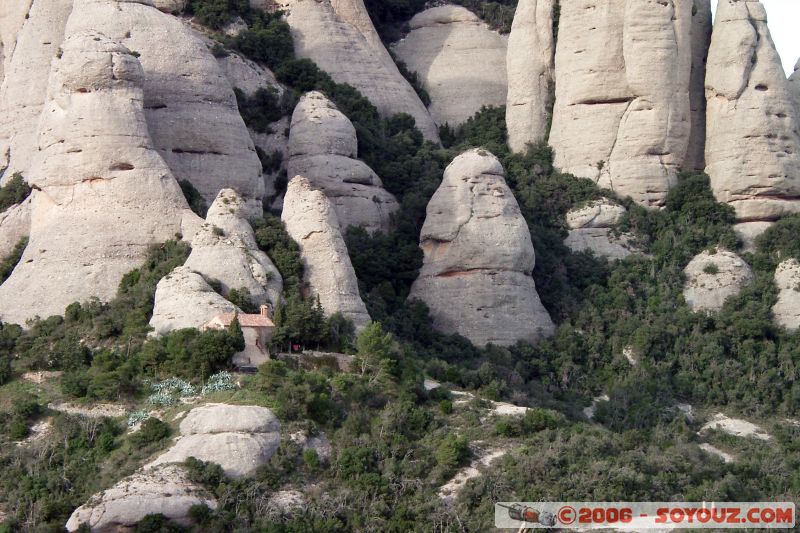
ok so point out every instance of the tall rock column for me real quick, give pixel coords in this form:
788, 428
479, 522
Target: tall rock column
311, 221
338, 35
622, 113
323, 148
701, 39
104, 193
794, 85
476, 276
752, 144
531, 50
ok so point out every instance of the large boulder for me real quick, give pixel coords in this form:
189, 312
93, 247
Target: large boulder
15, 223
32, 32
239, 438
443, 47
701, 39
714, 276
323, 148
476, 276
99, 203
164, 490
184, 299
786, 310
622, 112
338, 35
311, 221
189, 103
753, 139
531, 50
224, 249
590, 229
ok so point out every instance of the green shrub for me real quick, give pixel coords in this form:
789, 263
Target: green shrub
261, 109
13, 192
452, 452
8, 264
152, 430
193, 197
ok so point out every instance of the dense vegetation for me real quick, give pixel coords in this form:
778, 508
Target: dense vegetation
13, 192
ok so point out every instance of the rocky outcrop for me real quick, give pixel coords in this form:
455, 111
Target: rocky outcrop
323, 148
339, 37
443, 47
225, 250
189, 103
311, 221
184, 299
476, 277
165, 490
239, 438
100, 204
794, 85
786, 311
753, 139
15, 223
622, 113
590, 229
712, 277
32, 34
531, 50
701, 39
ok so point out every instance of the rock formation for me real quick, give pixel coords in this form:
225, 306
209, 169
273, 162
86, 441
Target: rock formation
339, 37
622, 113
753, 137
189, 103
184, 299
794, 85
323, 149
99, 203
444, 47
32, 33
311, 221
15, 223
531, 50
590, 230
701, 39
165, 490
712, 277
225, 249
786, 310
476, 277
239, 438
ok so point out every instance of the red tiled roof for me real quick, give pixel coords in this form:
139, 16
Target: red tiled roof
246, 321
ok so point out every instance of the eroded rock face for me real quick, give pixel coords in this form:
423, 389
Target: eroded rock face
239, 438
32, 33
184, 299
590, 230
311, 221
753, 144
443, 47
713, 277
622, 113
531, 51
164, 490
701, 39
476, 277
794, 85
100, 204
323, 148
15, 223
225, 249
189, 103
339, 37
786, 310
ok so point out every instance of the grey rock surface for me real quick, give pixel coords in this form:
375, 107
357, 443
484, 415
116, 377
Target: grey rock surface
444, 46
476, 277
311, 221
100, 203
323, 148
530, 64
15, 223
753, 134
164, 490
590, 229
714, 276
786, 311
701, 39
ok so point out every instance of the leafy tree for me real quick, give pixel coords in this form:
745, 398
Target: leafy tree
13, 192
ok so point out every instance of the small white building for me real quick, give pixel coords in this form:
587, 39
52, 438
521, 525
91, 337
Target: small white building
257, 330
